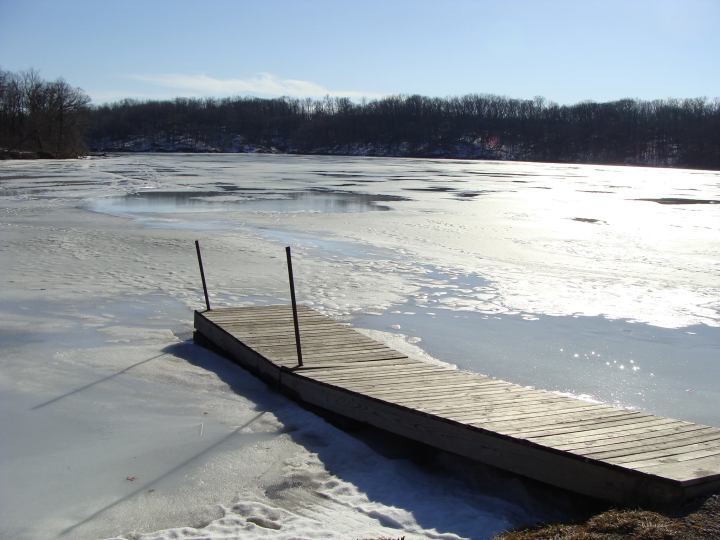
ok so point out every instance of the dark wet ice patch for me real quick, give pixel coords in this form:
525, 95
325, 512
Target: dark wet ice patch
30, 176
340, 174
154, 194
45, 189
351, 194
243, 200
440, 189
234, 187
590, 220
468, 195
680, 200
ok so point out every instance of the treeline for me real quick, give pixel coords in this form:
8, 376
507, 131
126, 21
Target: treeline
41, 118
667, 132
53, 119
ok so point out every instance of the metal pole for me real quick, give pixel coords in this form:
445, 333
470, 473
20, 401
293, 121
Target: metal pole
294, 307
202, 274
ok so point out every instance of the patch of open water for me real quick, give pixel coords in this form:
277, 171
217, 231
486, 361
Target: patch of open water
169, 202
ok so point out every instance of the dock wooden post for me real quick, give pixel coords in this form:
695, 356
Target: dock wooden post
294, 307
202, 274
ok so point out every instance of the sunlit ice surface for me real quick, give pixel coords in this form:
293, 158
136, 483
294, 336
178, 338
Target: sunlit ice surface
631, 253
481, 241
601, 282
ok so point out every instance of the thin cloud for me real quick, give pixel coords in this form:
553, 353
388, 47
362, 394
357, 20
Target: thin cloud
109, 96
262, 84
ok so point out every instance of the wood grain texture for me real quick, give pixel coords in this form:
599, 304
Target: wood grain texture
596, 449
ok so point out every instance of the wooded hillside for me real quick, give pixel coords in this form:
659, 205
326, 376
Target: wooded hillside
666, 132
53, 119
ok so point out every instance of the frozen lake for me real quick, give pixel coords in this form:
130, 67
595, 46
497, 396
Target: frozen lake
602, 282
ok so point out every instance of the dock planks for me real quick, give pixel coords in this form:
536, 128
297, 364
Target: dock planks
599, 450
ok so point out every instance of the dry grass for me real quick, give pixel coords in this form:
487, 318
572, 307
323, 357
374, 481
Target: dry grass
701, 523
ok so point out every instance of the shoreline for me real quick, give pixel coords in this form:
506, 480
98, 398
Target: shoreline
30, 155
26, 155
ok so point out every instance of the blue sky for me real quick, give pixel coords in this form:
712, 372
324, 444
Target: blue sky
566, 51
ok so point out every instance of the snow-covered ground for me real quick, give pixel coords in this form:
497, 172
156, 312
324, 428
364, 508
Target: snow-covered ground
581, 279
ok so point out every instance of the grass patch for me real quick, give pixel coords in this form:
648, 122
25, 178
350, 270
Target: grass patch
699, 522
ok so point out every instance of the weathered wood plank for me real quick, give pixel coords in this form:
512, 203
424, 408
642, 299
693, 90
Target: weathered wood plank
637, 444
500, 452
491, 418
593, 415
439, 391
358, 354
319, 345
279, 319
324, 345
252, 312
391, 383
361, 374
341, 364
689, 472
592, 448
309, 342
609, 420
519, 402
319, 331
354, 363
620, 435
677, 450
474, 408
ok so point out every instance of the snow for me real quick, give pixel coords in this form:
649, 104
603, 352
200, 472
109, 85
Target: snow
115, 424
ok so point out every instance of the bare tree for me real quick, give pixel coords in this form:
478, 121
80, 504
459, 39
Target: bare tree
40, 117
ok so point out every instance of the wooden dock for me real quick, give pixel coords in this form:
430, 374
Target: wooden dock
621, 455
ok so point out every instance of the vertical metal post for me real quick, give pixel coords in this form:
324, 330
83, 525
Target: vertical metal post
202, 274
294, 307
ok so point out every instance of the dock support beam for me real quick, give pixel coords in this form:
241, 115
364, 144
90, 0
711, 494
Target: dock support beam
294, 307
202, 275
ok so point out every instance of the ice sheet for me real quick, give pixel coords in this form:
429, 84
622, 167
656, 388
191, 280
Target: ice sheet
565, 277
